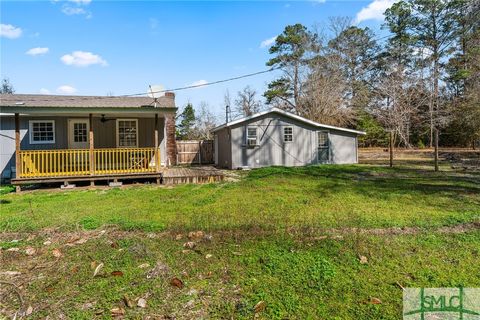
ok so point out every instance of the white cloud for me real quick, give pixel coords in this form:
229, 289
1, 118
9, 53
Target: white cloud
66, 89
267, 42
70, 11
198, 83
84, 2
44, 91
37, 51
83, 59
374, 11
9, 31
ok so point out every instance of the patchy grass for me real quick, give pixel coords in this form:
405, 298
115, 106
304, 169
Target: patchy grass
279, 235
270, 198
297, 277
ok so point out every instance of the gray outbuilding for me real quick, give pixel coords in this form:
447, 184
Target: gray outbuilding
279, 138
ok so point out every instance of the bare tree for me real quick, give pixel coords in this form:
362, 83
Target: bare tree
246, 103
205, 121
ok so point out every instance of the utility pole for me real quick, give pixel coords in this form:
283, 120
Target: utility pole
391, 148
227, 113
436, 149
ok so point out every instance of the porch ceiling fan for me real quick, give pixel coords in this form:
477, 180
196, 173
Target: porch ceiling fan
103, 119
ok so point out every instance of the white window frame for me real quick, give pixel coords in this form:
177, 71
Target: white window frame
117, 129
289, 134
248, 139
30, 130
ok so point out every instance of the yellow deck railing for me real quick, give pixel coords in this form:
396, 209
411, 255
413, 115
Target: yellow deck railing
76, 162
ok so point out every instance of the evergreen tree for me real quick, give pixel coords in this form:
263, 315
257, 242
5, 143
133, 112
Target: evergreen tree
291, 50
186, 126
6, 87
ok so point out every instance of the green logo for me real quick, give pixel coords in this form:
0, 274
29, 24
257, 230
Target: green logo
441, 303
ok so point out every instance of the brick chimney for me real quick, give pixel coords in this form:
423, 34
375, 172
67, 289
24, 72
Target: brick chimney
171, 144
170, 95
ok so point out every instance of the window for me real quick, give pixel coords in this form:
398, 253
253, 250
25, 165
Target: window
127, 133
322, 139
42, 131
288, 134
251, 136
80, 132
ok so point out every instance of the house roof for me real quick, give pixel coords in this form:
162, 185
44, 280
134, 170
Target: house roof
287, 114
60, 101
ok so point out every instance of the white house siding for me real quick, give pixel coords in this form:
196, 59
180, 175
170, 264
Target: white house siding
343, 147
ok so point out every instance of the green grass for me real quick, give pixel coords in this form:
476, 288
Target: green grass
297, 277
270, 198
269, 244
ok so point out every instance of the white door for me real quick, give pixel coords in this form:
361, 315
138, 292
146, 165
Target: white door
78, 133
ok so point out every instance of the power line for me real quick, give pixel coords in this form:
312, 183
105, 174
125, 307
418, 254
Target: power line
159, 91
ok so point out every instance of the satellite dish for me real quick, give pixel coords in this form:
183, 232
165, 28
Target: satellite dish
156, 91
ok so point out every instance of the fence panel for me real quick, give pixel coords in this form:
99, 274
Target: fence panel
195, 152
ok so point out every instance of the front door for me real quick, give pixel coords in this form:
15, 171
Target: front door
323, 147
78, 133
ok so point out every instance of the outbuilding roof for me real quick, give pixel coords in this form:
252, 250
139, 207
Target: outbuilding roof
287, 114
40, 100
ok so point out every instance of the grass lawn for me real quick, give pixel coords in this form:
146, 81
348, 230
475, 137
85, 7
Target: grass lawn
270, 198
279, 235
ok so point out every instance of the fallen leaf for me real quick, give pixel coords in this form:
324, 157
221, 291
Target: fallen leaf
114, 245
29, 311
375, 301
260, 306
10, 273
117, 273
13, 249
142, 303
208, 256
189, 304
128, 302
47, 243
56, 253
116, 312
196, 235
363, 260
29, 251
81, 241
176, 283
144, 265
189, 245
97, 269
75, 269
178, 237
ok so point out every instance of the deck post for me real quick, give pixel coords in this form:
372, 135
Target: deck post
91, 144
157, 158
18, 167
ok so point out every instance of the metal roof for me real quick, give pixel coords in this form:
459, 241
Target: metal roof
287, 114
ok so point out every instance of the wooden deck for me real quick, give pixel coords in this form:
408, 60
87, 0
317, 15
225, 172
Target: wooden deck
168, 176
203, 174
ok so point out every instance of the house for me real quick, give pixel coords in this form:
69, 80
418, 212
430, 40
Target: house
277, 137
49, 138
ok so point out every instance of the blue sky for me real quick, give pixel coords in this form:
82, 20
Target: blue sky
89, 47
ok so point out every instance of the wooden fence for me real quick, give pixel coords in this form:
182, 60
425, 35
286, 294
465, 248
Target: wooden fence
195, 152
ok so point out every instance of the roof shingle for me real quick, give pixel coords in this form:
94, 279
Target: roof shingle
40, 100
